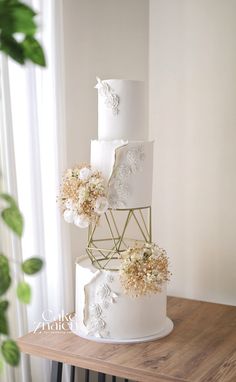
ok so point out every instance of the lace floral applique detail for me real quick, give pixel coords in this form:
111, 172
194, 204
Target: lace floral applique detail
109, 277
111, 99
106, 294
96, 324
95, 310
119, 190
105, 304
135, 156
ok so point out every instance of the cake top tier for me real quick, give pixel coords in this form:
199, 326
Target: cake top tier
121, 110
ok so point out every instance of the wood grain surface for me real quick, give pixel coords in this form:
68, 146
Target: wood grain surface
202, 348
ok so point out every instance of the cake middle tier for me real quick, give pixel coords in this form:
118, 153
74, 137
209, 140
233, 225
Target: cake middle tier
127, 167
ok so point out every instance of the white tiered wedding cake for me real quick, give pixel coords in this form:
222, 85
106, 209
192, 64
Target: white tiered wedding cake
121, 287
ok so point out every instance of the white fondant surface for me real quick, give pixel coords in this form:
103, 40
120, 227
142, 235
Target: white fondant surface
104, 311
128, 168
129, 123
102, 155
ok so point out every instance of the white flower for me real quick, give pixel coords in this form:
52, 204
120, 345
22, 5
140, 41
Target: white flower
101, 205
81, 221
68, 216
69, 204
96, 181
85, 173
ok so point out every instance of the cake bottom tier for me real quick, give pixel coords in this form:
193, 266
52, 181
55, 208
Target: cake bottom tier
105, 314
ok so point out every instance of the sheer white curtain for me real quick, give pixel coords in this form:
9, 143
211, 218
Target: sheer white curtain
34, 145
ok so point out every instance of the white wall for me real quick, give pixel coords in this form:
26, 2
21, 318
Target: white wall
192, 81
106, 38
193, 119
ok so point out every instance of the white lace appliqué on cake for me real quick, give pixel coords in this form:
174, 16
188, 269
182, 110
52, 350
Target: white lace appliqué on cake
96, 324
111, 99
96, 314
106, 296
119, 189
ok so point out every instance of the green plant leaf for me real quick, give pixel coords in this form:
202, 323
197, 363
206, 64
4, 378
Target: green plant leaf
9, 199
12, 48
12, 215
11, 352
1, 366
4, 264
5, 278
3, 324
5, 282
16, 17
13, 218
24, 6
24, 292
6, 17
23, 19
33, 51
3, 305
3, 320
32, 265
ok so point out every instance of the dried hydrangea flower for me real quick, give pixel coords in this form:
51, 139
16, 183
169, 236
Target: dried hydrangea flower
144, 269
82, 195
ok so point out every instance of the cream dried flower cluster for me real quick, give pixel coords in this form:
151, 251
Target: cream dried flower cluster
82, 195
144, 269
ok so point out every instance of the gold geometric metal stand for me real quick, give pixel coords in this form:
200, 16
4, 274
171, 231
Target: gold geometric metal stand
116, 230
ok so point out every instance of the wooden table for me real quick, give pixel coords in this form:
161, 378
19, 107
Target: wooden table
202, 348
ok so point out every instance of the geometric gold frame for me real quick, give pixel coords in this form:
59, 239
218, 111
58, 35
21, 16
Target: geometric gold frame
116, 230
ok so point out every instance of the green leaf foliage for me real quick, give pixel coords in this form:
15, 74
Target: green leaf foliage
13, 219
17, 40
32, 265
5, 278
24, 292
1, 366
3, 323
8, 198
23, 17
3, 305
11, 352
33, 51
12, 48
4, 263
18, 18
12, 215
